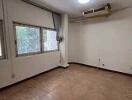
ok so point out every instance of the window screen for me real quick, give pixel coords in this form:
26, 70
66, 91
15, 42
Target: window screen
50, 42
27, 39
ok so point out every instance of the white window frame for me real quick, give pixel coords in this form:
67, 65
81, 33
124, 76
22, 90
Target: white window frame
43, 41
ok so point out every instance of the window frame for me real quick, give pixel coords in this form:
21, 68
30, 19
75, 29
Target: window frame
30, 26
41, 39
3, 41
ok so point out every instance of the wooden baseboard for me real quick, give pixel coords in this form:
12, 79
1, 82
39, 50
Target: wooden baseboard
101, 68
30, 78
64, 68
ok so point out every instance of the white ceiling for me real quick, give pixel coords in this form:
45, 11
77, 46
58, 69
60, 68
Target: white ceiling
74, 9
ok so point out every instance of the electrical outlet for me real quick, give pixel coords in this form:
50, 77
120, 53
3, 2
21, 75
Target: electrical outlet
13, 76
103, 64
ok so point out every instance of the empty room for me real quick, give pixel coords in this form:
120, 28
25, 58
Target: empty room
65, 49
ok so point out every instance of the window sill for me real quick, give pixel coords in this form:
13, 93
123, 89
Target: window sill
39, 53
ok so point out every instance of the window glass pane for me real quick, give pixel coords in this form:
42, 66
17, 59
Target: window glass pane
1, 32
49, 38
28, 39
0, 47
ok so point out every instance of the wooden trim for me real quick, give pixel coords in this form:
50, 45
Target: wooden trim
6, 87
85, 65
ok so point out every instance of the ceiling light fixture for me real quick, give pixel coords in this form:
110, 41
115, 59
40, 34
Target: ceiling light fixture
83, 1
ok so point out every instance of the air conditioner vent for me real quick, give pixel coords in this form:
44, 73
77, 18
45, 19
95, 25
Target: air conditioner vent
103, 11
96, 10
87, 12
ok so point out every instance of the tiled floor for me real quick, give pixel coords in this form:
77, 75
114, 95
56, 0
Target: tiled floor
75, 83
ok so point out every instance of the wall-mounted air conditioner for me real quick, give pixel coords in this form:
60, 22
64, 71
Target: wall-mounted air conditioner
104, 11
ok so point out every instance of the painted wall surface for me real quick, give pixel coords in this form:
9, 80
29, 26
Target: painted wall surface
20, 11
103, 42
64, 43
1, 10
28, 66
5, 64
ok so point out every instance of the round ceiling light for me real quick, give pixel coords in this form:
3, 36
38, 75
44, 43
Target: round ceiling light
83, 1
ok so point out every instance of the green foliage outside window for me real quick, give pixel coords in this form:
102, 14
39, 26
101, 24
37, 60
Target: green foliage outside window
28, 39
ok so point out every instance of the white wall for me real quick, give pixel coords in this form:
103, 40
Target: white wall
24, 67
64, 43
1, 10
108, 39
5, 65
